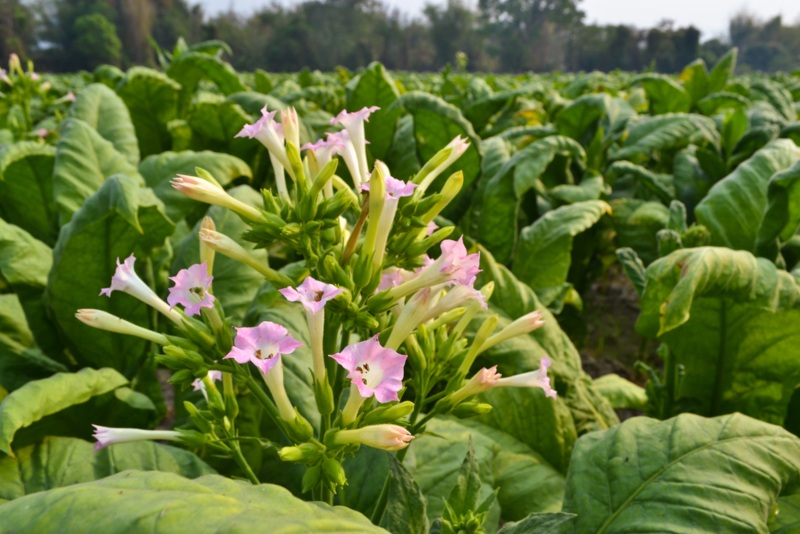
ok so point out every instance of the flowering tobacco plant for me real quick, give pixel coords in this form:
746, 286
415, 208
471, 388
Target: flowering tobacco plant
387, 300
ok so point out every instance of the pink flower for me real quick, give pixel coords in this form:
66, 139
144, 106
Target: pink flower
34, 76
270, 133
532, 379
373, 369
312, 294
125, 279
393, 277
42, 132
198, 384
432, 227
262, 345
395, 189
483, 380
462, 267
191, 289
342, 144
386, 437
267, 120
71, 96
346, 118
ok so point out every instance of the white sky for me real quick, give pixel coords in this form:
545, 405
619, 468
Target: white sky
710, 16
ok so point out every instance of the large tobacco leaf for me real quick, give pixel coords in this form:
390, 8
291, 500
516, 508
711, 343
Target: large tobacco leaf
152, 99
686, 474
58, 462
782, 215
101, 108
120, 219
26, 189
191, 67
40, 398
84, 160
136, 501
730, 320
734, 208
668, 131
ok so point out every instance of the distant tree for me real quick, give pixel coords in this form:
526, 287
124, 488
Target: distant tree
455, 28
96, 41
17, 31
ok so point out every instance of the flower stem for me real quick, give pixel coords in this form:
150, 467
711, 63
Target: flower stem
240, 460
266, 402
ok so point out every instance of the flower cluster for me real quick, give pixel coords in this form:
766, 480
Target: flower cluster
385, 329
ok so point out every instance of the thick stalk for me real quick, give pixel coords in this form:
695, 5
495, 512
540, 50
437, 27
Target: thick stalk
240, 460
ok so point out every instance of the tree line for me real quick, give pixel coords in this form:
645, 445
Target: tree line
495, 36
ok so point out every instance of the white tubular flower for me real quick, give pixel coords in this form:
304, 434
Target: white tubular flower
532, 379
354, 125
410, 318
126, 280
270, 134
345, 148
207, 253
386, 437
202, 190
524, 325
483, 380
109, 436
111, 323
291, 126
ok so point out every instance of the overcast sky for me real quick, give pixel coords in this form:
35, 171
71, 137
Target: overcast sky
710, 16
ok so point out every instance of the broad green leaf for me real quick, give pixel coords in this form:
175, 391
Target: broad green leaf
621, 393
502, 195
84, 160
715, 102
544, 254
633, 267
58, 462
120, 219
215, 123
24, 266
664, 94
436, 123
152, 99
252, 102
637, 223
687, 474
722, 71
40, 398
235, 284
464, 496
776, 96
375, 87
159, 169
402, 155
577, 118
669, 131
20, 359
730, 319
26, 189
191, 67
134, 500
660, 185
782, 216
556, 523
101, 108
786, 518
526, 482
479, 112
734, 208
405, 509
695, 79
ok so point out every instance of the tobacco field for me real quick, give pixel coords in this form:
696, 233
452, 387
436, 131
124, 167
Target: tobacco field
380, 319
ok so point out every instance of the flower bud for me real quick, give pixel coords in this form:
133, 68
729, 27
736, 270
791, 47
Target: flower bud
472, 409
334, 472
111, 323
389, 414
202, 190
311, 478
386, 437
304, 453
206, 252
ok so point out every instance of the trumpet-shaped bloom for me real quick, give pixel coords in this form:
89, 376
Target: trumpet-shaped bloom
374, 369
395, 189
262, 345
349, 120
462, 267
270, 133
106, 436
191, 289
312, 294
532, 379
111, 323
125, 279
393, 277
482, 380
386, 437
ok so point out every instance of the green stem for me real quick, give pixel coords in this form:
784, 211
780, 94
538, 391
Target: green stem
716, 400
242, 463
266, 402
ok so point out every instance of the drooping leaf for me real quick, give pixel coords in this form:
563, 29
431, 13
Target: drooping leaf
775, 95
84, 160
191, 67
40, 398
556, 523
405, 509
26, 189
526, 483
101, 108
543, 258
734, 207
375, 87
59, 462
637, 222
684, 474
120, 219
730, 319
170, 503
621, 393
664, 94
669, 131
152, 99
660, 185
786, 518
782, 216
